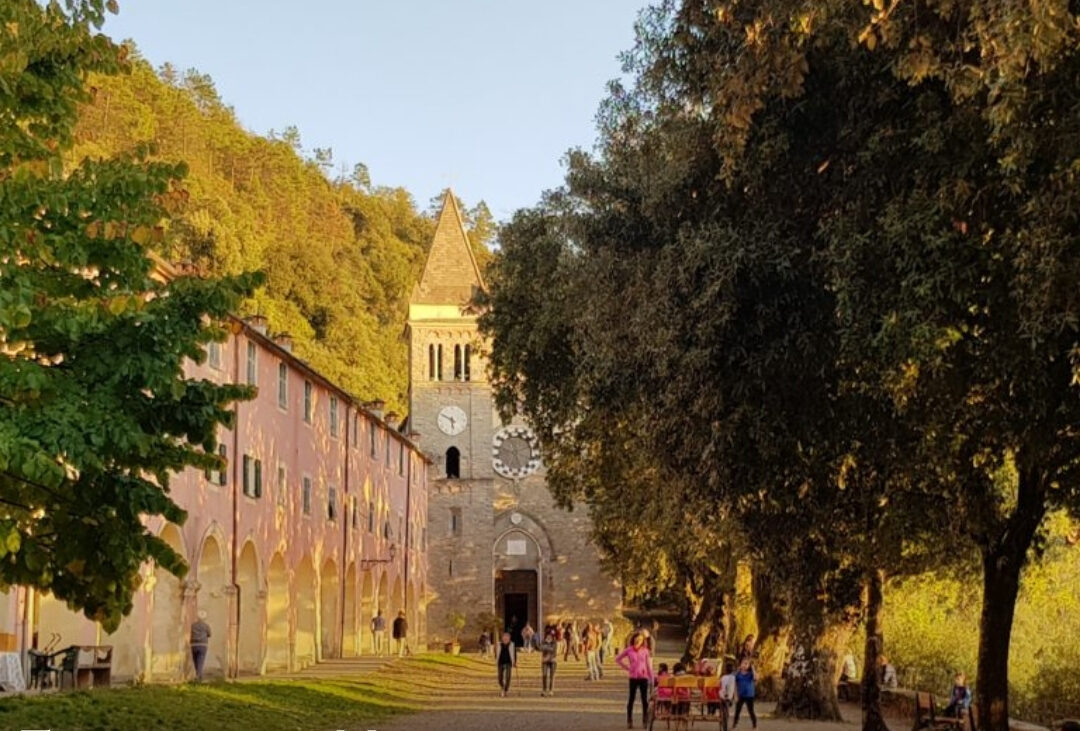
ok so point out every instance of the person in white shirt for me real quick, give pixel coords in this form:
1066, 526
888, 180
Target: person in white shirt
727, 687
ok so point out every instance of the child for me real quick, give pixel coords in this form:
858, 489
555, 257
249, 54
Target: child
663, 695
959, 697
712, 692
727, 686
682, 695
744, 688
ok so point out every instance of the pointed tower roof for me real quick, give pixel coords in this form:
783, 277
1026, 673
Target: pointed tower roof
451, 274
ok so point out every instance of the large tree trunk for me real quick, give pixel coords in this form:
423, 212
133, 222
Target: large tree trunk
774, 633
1001, 584
809, 688
1003, 560
872, 719
707, 622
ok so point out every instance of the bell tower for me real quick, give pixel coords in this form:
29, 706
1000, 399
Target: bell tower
450, 401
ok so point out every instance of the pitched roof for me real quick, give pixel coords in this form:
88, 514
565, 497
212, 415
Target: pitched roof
451, 274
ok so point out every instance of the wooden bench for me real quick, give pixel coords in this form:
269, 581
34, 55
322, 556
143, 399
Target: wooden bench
88, 666
926, 716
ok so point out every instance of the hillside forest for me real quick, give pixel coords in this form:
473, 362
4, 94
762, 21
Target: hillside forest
340, 254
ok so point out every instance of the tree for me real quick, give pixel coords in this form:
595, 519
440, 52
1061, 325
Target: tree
97, 411
826, 245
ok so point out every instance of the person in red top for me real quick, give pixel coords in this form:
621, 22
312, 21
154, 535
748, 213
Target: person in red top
636, 660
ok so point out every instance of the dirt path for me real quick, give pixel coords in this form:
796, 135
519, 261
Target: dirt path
469, 699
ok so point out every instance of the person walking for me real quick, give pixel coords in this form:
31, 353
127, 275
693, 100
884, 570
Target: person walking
744, 689
591, 639
200, 643
400, 631
636, 660
570, 633
607, 629
507, 661
378, 633
549, 655
527, 636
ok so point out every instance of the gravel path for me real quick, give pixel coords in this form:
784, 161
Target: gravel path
469, 699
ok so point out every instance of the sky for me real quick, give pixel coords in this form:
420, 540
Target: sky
484, 96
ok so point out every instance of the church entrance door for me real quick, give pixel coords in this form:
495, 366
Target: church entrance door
516, 601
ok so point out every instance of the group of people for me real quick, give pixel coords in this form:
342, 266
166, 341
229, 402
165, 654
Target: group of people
592, 641
399, 631
736, 686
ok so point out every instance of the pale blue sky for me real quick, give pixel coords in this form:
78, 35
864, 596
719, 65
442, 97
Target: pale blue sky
482, 95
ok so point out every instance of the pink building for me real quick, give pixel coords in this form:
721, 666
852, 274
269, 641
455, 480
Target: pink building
318, 521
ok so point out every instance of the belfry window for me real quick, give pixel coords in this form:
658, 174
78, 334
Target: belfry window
431, 362
438, 363
458, 370
453, 463
468, 362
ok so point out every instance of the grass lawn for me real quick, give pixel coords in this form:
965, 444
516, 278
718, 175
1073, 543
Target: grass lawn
257, 705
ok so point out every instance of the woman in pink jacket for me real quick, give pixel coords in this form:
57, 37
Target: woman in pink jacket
637, 661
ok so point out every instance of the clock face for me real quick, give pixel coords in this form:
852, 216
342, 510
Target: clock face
452, 420
515, 452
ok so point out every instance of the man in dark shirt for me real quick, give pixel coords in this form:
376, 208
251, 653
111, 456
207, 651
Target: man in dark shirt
400, 631
200, 641
507, 661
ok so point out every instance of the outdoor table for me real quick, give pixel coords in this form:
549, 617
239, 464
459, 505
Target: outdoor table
11, 672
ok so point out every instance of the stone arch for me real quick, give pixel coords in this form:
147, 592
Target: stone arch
452, 461
350, 642
249, 654
277, 615
213, 598
367, 611
329, 599
306, 588
382, 603
167, 647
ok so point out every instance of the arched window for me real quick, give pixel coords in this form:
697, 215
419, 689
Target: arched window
453, 463
468, 362
457, 363
431, 362
438, 363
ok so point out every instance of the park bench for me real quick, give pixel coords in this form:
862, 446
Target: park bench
88, 666
926, 716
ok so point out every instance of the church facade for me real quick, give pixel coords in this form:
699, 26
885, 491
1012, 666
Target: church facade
497, 542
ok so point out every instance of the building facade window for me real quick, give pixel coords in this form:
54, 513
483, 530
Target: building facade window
213, 351
453, 463
401, 458
305, 495
387, 447
331, 503
459, 371
333, 416
283, 386
355, 513
282, 483
455, 522
355, 430
386, 529
374, 441
252, 476
252, 363
307, 401
431, 362
370, 517
468, 363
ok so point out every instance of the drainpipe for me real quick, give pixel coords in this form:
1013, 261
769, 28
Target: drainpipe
233, 669
408, 525
346, 515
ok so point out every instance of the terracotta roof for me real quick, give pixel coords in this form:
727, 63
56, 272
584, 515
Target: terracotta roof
451, 275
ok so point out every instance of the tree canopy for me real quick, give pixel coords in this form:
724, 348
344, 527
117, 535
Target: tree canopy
823, 263
97, 412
